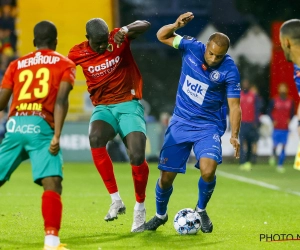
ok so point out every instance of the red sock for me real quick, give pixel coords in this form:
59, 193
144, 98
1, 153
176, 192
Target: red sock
105, 168
52, 212
140, 178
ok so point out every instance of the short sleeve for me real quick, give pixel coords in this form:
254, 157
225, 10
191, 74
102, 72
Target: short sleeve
69, 73
8, 79
233, 83
190, 43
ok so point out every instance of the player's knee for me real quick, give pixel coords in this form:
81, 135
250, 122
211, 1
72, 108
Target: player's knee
97, 141
52, 184
208, 175
136, 158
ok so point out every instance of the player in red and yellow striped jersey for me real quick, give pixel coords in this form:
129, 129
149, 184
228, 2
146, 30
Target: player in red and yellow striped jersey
115, 86
39, 84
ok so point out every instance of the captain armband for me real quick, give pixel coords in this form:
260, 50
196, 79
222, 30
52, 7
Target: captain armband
176, 41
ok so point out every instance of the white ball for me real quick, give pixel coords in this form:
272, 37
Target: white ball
187, 221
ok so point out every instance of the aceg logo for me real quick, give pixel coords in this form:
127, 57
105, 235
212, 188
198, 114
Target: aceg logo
108, 64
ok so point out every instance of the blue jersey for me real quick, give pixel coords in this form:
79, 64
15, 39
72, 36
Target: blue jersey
202, 93
297, 77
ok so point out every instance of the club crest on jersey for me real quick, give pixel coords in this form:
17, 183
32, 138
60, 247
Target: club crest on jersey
214, 75
195, 89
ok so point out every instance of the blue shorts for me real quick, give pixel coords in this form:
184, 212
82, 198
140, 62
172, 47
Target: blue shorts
280, 136
179, 140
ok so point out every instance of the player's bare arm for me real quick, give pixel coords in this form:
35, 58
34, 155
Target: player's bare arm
235, 115
60, 112
166, 34
5, 95
132, 31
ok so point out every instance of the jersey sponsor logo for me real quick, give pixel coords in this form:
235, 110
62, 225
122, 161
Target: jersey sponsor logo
30, 106
12, 127
38, 59
195, 89
214, 75
192, 61
108, 66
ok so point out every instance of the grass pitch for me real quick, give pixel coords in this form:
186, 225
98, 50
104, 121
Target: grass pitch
240, 211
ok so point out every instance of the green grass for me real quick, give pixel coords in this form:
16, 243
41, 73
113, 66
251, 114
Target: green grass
238, 210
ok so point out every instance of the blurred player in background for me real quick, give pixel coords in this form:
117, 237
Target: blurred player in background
40, 83
115, 86
281, 111
249, 134
209, 79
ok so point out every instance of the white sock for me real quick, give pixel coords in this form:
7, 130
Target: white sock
139, 206
161, 216
52, 240
115, 197
199, 209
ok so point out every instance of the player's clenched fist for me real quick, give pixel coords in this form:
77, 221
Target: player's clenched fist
54, 145
183, 19
120, 36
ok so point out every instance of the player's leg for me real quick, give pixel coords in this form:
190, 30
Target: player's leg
273, 157
208, 150
173, 158
281, 158
47, 172
12, 151
132, 128
136, 143
103, 127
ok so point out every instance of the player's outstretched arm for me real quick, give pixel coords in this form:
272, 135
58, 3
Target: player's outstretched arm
235, 115
60, 111
5, 95
166, 34
132, 31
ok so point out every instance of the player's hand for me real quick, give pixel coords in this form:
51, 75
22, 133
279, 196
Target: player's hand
119, 37
236, 146
54, 145
183, 19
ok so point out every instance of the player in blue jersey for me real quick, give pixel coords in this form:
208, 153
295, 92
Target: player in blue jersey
209, 79
290, 43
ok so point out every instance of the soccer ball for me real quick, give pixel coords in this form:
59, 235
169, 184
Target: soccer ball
187, 221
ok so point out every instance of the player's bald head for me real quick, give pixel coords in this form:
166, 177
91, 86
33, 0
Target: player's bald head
220, 39
45, 34
96, 27
291, 29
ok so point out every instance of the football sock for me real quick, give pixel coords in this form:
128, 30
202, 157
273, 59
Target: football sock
105, 168
281, 157
52, 212
140, 178
162, 199
205, 192
115, 196
139, 206
51, 240
161, 216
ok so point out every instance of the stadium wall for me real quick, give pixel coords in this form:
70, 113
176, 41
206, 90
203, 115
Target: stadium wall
69, 17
